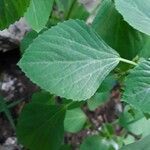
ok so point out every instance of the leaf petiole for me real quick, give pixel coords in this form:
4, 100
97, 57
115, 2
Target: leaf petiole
128, 61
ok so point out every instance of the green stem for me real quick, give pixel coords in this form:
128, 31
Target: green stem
128, 61
10, 119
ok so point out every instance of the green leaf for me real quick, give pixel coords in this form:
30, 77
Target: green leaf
102, 94
135, 122
94, 143
136, 13
69, 60
74, 120
38, 13
72, 104
67, 9
27, 40
110, 25
65, 147
143, 144
145, 52
108, 83
137, 87
40, 126
128, 139
97, 100
43, 97
70, 9
11, 11
4, 107
74, 13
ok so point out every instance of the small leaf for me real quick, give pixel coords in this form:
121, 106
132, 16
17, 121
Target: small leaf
94, 143
97, 100
69, 60
102, 94
137, 87
38, 13
143, 144
11, 11
136, 13
74, 120
40, 126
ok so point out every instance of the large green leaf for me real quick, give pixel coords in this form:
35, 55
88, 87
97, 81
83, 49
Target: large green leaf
137, 86
40, 126
143, 144
74, 120
136, 13
110, 25
11, 10
69, 60
38, 13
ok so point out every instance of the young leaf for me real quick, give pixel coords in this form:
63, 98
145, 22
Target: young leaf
94, 143
136, 13
143, 144
137, 87
40, 126
11, 11
117, 33
69, 60
74, 120
38, 13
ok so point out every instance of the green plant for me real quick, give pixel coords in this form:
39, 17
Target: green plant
73, 60
4, 108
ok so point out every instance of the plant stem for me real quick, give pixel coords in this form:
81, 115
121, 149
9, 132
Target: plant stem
128, 61
10, 119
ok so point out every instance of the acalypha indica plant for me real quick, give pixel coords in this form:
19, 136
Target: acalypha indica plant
70, 58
